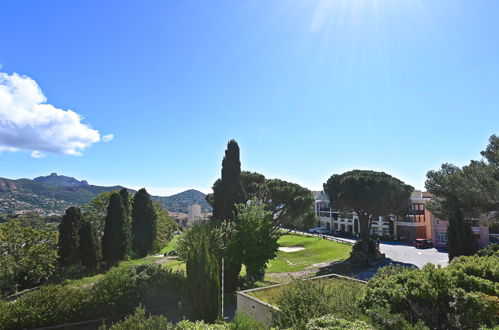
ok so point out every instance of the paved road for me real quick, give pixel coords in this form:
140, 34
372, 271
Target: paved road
408, 254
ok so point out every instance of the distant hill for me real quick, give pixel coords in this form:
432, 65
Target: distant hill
179, 202
55, 193
61, 181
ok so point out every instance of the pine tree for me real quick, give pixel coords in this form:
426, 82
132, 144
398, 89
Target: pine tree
116, 235
228, 191
90, 247
143, 224
203, 280
69, 241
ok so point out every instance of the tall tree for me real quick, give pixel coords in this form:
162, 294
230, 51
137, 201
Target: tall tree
369, 194
143, 223
125, 197
453, 201
165, 226
228, 191
115, 240
256, 238
68, 244
203, 275
90, 247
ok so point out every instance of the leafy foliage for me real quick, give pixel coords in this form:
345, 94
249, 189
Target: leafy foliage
68, 245
165, 227
203, 276
331, 322
228, 191
28, 257
139, 321
143, 223
116, 238
470, 191
370, 195
304, 300
119, 292
456, 297
90, 246
255, 239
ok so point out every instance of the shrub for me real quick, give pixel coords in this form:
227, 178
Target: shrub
489, 250
117, 293
384, 319
331, 322
244, 322
304, 300
440, 297
139, 321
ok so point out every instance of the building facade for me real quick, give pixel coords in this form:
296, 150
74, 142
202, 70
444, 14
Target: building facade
418, 223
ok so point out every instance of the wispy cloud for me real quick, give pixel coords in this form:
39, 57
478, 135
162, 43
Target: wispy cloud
27, 122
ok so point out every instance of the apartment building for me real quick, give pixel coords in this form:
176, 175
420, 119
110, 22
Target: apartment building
418, 223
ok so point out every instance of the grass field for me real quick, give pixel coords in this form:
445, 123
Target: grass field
317, 251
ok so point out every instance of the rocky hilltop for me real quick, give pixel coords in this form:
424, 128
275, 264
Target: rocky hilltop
55, 193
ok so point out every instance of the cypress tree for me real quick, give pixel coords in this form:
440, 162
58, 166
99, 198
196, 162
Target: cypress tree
461, 240
68, 244
116, 235
203, 280
125, 200
90, 247
228, 191
143, 223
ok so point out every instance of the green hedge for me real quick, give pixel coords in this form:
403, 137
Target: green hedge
463, 295
119, 292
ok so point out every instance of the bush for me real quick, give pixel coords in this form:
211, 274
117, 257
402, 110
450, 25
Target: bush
244, 322
440, 297
117, 293
490, 250
304, 300
384, 319
139, 321
331, 322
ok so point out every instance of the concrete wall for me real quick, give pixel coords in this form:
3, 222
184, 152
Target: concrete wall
258, 310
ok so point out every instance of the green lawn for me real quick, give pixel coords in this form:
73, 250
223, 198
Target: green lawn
317, 250
171, 245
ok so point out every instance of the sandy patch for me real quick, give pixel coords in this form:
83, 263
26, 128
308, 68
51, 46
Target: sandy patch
291, 248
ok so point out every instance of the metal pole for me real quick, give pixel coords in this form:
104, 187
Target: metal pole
223, 266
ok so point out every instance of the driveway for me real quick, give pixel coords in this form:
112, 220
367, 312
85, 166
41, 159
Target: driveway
408, 254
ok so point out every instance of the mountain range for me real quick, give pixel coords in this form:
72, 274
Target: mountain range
55, 193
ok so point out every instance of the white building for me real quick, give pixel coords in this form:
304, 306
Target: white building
347, 223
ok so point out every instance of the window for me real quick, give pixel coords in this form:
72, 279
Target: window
441, 238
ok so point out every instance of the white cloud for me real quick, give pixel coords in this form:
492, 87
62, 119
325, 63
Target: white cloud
37, 154
108, 138
27, 122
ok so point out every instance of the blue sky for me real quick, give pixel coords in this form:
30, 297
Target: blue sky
307, 88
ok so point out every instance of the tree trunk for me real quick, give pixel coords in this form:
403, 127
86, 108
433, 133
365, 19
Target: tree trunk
364, 232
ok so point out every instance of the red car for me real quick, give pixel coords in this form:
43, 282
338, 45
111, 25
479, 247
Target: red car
423, 243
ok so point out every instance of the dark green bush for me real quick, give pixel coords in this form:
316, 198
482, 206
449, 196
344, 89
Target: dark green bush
118, 293
442, 298
140, 321
331, 322
304, 300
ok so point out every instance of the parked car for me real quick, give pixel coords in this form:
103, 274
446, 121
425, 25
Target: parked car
423, 243
314, 230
